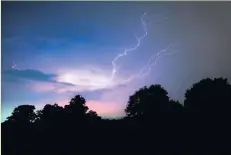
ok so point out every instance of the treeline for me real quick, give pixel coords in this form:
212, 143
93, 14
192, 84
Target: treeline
153, 122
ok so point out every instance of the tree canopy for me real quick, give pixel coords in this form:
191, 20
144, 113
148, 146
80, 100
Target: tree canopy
209, 96
147, 102
23, 114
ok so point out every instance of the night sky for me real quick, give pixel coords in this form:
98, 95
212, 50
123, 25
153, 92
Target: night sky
52, 51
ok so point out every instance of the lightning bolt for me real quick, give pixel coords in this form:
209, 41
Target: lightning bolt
159, 55
145, 71
126, 51
153, 60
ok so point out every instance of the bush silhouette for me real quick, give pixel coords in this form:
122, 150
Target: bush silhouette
93, 115
175, 107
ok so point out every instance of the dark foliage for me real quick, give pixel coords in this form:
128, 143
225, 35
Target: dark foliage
153, 123
147, 102
50, 114
23, 114
209, 96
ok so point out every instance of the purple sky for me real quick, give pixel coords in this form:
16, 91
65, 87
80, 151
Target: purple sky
60, 49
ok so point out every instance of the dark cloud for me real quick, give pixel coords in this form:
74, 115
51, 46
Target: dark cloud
15, 75
30, 74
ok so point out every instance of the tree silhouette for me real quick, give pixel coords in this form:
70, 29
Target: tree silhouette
209, 97
147, 102
77, 109
150, 116
50, 114
23, 114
